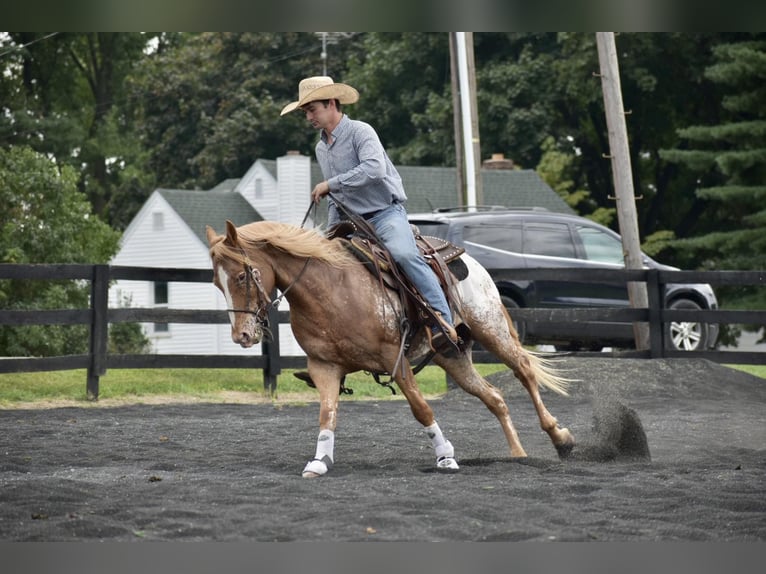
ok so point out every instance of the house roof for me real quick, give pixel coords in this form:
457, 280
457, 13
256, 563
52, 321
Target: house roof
201, 208
227, 184
429, 188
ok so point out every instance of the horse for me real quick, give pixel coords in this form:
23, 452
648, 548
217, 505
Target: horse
346, 320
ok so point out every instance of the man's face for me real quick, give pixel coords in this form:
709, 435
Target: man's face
319, 114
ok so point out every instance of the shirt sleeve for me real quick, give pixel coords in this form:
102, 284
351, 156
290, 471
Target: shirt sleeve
370, 161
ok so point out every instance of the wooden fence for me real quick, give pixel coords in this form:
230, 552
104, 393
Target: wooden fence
98, 316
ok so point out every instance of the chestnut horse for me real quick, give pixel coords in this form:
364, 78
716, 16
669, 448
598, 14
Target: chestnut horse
346, 321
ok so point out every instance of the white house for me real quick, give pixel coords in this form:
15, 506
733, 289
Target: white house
169, 231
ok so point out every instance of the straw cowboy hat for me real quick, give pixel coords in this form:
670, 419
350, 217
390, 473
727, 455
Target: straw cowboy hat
321, 88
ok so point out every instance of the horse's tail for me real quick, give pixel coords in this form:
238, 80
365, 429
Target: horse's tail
546, 374
542, 367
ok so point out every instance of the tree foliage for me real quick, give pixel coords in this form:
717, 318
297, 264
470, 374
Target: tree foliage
728, 159
63, 95
132, 112
46, 219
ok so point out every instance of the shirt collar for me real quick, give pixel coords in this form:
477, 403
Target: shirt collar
338, 131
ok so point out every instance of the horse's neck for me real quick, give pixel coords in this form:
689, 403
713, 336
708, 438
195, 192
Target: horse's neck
291, 274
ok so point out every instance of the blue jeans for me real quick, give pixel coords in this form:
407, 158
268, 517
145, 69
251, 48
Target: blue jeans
394, 231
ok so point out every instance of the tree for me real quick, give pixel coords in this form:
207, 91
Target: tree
209, 104
63, 96
729, 162
46, 219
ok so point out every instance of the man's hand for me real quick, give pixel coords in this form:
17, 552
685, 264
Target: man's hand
321, 189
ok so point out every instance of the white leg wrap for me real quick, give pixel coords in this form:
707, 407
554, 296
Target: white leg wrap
323, 459
445, 453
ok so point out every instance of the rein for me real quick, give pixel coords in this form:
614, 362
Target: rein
251, 273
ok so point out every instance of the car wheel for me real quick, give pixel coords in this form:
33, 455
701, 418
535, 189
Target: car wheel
520, 326
686, 335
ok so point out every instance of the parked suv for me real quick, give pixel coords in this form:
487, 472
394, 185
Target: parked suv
503, 238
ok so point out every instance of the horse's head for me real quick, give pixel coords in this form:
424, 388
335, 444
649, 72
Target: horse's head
245, 285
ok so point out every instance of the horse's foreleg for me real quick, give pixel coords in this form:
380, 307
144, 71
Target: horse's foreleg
327, 382
445, 453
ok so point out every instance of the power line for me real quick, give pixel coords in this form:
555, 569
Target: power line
17, 48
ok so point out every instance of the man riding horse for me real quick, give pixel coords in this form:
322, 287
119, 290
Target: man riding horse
363, 179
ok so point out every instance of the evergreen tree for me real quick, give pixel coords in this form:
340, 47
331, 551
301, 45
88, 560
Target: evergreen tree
729, 159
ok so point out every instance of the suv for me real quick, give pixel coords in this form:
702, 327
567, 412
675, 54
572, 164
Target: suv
503, 238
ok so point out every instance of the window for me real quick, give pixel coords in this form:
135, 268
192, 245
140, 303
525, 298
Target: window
551, 239
505, 237
600, 246
158, 221
161, 301
258, 188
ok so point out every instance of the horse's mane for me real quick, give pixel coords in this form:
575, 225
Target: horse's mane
290, 239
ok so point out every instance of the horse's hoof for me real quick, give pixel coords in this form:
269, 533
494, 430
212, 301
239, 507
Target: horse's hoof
315, 468
565, 448
447, 464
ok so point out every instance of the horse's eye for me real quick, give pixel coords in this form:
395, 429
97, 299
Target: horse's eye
241, 278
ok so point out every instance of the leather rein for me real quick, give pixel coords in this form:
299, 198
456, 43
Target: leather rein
263, 300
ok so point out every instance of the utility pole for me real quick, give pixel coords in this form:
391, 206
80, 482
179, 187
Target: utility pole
457, 122
328, 39
622, 175
469, 121
475, 140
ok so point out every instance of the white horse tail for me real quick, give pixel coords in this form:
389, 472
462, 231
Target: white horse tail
547, 375
542, 367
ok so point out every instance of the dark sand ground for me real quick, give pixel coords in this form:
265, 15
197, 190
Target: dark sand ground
231, 472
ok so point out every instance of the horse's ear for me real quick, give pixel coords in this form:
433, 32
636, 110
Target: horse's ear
212, 236
231, 233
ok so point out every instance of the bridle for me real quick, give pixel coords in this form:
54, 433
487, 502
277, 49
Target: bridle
253, 274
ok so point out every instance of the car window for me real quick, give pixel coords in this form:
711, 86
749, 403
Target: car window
600, 246
431, 229
551, 239
505, 237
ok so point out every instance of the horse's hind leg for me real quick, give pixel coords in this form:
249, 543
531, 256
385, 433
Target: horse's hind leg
445, 453
530, 370
461, 369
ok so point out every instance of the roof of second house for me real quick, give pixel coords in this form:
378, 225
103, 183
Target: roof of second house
201, 208
429, 188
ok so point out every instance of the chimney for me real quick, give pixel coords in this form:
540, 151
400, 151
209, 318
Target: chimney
294, 185
498, 161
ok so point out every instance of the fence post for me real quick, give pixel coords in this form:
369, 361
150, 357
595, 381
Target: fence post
656, 327
270, 351
99, 328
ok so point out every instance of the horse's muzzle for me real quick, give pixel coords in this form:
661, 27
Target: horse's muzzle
246, 338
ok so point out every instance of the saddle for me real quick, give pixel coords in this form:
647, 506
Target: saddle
441, 255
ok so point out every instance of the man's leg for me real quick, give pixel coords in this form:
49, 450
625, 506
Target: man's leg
394, 230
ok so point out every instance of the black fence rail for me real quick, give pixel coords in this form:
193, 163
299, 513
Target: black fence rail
99, 315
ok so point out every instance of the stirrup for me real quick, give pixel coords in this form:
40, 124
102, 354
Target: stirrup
440, 342
447, 328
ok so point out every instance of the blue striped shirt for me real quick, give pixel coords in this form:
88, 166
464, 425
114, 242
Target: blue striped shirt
358, 169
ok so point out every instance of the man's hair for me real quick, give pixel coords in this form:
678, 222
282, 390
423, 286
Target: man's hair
337, 103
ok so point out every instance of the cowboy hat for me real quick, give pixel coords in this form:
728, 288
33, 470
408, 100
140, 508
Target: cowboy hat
321, 88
